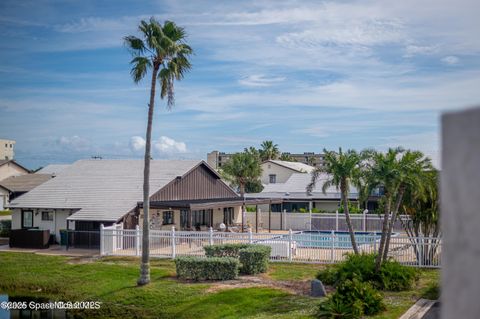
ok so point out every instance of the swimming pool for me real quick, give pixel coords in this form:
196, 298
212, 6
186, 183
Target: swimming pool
341, 239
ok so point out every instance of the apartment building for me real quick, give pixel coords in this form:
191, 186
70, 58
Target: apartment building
6, 149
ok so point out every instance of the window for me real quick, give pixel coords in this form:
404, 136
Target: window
27, 219
228, 215
6, 145
47, 215
201, 217
168, 218
11, 145
273, 178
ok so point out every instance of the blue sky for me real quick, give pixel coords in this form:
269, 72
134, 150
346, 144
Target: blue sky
308, 75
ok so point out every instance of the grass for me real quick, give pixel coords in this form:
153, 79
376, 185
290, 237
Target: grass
112, 281
5, 212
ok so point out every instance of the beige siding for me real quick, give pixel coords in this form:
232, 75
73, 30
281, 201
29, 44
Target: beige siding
55, 225
11, 169
282, 173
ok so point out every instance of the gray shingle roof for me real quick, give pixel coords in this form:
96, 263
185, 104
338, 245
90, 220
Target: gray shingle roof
24, 183
53, 169
295, 188
102, 190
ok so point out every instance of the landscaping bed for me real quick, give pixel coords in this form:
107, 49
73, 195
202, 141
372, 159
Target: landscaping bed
112, 280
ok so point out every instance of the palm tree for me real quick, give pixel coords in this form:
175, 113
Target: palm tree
412, 167
161, 50
241, 169
343, 169
287, 157
269, 151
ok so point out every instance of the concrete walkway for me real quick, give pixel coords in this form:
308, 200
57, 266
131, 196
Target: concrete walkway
419, 309
54, 250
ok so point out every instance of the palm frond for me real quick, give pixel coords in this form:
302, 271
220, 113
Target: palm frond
140, 68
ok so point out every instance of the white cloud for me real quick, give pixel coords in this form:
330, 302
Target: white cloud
450, 60
260, 80
74, 143
412, 50
137, 143
164, 145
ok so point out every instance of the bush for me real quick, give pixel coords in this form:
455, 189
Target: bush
225, 250
214, 268
254, 259
396, 277
392, 276
352, 299
5, 227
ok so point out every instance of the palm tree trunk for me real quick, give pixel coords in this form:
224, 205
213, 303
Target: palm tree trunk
398, 202
386, 213
145, 263
347, 217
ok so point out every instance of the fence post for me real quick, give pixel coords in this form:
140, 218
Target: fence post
310, 216
174, 252
290, 242
374, 241
365, 220
420, 251
137, 240
250, 236
336, 220
102, 244
210, 236
332, 251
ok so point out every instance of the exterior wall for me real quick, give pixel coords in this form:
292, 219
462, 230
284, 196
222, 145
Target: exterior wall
6, 149
200, 183
11, 169
460, 188
4, 194
282, 173
59, 220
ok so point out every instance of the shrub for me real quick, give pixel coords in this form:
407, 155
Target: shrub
396, 277
392, 276
352, 299
254, 259
214, 268
225, 250
5, 227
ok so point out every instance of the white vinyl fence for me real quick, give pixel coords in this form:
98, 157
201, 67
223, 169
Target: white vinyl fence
318, 221
294, 246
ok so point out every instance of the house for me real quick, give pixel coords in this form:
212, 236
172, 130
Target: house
11, 168
14, 186
275, 171
183, 193
6, 149
294, 197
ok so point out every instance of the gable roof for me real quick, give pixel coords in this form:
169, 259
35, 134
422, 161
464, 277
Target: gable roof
24, 183
52, 169
296, 188
3, 162
296, 166
102, 190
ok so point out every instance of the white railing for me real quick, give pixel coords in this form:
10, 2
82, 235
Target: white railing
319, 247
319, 221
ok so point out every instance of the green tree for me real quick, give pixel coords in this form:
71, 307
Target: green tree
269, 151
343, 170
242, 168
287, 157
162, 50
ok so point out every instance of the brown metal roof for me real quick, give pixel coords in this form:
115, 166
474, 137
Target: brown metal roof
24, 183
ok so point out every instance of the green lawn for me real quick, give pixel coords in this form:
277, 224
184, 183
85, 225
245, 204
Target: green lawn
112, 281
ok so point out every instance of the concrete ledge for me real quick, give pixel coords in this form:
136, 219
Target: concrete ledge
419, 309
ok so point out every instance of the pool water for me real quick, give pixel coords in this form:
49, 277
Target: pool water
341, 239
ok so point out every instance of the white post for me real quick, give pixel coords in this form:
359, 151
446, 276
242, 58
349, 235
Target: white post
174, 252
310, 214
250, 236
332, 251
374, 242
102, 240
365, 220
210, 233
290, 242
420, 251
336, 220
137, 240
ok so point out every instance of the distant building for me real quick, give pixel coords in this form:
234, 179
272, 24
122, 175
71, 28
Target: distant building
216, 159
6, 149
274, 171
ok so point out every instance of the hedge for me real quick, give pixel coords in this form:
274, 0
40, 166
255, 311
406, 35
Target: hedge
214, 268
225, 250
254, 259
5, 227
